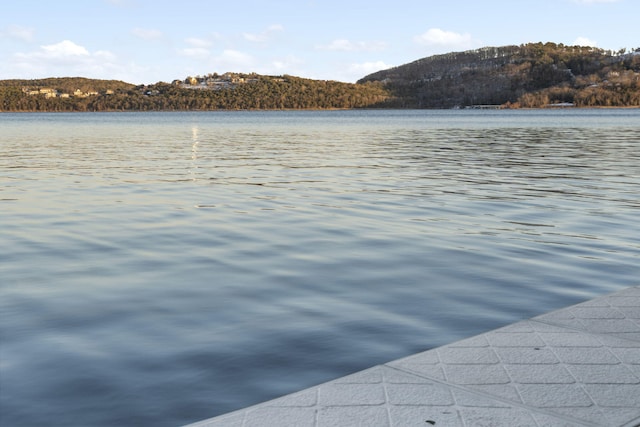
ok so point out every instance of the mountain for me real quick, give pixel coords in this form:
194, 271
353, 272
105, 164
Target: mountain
529, 75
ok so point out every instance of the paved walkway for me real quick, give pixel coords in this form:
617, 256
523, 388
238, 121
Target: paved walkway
579, 366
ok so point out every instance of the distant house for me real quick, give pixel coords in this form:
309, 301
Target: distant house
80, 94
47, 92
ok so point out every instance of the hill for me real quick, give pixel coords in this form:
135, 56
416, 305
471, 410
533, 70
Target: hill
231, 91
530, 75
68, 84
55, 94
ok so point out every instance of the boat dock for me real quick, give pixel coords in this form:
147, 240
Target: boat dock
577, 366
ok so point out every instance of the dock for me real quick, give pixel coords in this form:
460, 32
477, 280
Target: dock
577, 366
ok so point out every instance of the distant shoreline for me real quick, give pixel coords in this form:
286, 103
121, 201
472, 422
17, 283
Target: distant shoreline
631, 107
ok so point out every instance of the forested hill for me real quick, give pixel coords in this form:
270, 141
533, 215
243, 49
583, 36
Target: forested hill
68, 84
230, 91
530, 75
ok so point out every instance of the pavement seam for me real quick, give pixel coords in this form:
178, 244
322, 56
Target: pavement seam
633, 423
495, 398
583, 330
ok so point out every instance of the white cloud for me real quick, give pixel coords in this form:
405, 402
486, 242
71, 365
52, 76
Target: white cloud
349, 46
67, 58
265, 35
366, 68
147, 34
583, 41
440, 38
18, 32
64, 49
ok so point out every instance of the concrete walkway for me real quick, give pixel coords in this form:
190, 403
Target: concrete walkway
579, 366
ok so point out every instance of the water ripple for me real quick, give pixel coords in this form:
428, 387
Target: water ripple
162, 268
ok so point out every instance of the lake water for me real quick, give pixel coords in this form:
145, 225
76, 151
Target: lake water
161, 268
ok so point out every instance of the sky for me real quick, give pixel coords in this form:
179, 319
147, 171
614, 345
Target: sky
146, 41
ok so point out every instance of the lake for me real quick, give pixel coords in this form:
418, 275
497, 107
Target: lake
162, 268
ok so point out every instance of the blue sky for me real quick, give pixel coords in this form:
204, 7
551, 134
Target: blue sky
145, 41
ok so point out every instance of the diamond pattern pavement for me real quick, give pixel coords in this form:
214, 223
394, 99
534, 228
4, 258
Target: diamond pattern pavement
578, 366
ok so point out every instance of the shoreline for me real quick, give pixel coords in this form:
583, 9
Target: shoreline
497, 108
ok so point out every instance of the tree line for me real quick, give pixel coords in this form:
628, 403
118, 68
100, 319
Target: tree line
263, 92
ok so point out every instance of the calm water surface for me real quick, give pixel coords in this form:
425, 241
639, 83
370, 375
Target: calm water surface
161, 268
